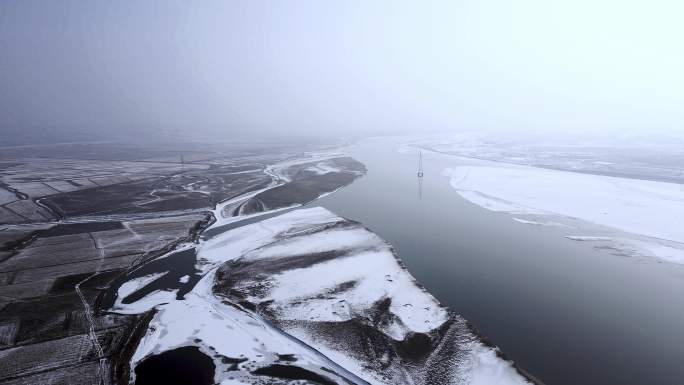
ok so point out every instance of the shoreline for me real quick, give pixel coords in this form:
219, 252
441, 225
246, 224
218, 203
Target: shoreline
266, 216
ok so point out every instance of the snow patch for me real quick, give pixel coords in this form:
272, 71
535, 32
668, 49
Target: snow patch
137, 283
537, 223
323, 168
665, 253
488, 369
587, 238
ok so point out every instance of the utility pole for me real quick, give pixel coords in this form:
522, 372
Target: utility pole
420, 164
420, 175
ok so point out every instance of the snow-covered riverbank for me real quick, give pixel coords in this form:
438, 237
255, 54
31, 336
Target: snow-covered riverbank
646, 214
309, 282
304, 295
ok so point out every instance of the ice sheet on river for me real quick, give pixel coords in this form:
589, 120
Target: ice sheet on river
311, 296
645, 208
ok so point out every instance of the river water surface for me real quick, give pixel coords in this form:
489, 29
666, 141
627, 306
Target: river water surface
564, 311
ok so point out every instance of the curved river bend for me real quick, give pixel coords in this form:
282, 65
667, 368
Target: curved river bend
567, 313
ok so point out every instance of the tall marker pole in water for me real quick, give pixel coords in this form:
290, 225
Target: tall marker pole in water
420, 175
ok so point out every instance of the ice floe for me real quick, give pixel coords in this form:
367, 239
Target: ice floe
637, 247
540, 223
587, 238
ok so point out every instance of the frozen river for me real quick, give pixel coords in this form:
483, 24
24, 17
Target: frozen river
565, 311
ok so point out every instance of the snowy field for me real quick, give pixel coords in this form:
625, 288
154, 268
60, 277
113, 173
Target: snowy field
307, 269
638, 158
648, 210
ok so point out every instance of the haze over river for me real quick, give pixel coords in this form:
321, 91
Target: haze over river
564, 311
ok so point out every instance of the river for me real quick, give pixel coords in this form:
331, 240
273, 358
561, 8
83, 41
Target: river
564, 311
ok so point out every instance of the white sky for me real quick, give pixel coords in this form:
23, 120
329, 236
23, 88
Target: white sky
225, 69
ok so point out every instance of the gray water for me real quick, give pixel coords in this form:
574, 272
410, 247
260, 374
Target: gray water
565, 312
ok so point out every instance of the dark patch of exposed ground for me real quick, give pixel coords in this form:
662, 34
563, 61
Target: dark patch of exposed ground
76, 228
291, 372
187, 191
306, 185
181, 366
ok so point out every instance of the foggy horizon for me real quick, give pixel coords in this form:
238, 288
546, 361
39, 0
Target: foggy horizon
468, 192
242, 71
